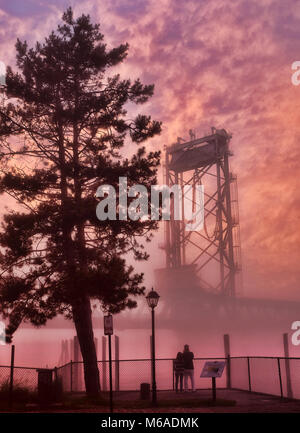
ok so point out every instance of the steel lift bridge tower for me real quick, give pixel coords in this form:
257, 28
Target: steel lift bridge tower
209, 258
202, 280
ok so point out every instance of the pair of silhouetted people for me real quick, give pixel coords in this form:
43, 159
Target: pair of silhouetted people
184, 369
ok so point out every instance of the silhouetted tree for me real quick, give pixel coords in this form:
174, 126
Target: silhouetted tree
63, 127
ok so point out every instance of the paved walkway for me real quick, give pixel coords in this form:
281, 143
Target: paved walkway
245, 403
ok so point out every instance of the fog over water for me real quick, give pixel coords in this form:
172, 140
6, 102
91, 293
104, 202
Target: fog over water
42, 347
248, 92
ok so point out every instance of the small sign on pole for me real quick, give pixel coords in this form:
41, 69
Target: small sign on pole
213, 369
2, 334
108, 325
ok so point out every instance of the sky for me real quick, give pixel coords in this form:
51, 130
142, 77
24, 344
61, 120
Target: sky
213, 63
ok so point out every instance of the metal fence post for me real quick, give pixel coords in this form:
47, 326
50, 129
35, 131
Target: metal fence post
71, 376
76, 363
289, 388
11, 382
280, 379
173, 374
227, 356
249, 374
117, 364
104, 376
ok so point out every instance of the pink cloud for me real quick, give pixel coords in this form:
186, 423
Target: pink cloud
226, 65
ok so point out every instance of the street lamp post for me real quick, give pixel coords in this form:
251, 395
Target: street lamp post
152, 300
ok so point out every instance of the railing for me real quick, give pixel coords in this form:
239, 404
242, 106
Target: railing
268, 375
22, 376
277, 376
129, 374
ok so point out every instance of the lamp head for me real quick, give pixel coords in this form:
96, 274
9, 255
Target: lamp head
152, 298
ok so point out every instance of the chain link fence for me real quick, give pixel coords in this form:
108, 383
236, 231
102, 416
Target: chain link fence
268, 375
25, 377
127, 375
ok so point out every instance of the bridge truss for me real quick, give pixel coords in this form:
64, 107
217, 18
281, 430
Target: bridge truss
205, 161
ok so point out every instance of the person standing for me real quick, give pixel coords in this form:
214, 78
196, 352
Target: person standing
179, 370
188, 364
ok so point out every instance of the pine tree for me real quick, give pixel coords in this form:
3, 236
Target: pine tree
65, 131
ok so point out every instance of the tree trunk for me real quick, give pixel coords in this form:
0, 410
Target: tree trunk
82, 317
82, 313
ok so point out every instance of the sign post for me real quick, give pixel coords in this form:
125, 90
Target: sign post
214, 389
108, 330
213, 369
